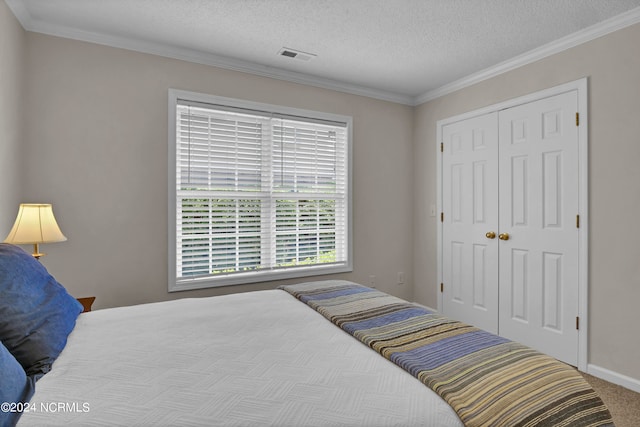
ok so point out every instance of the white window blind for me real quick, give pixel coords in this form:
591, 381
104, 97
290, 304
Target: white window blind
259, 195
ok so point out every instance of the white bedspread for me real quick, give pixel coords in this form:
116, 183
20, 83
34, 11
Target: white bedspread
253, 359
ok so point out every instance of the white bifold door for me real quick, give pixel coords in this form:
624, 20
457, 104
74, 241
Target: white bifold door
509, 230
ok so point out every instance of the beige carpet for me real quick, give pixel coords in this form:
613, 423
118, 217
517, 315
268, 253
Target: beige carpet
623, 403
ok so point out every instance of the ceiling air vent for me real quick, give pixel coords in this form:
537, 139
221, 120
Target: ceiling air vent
296, 54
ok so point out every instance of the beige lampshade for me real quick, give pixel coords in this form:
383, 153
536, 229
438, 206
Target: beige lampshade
35, 224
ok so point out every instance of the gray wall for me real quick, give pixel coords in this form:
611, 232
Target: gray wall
612, 65
12, 46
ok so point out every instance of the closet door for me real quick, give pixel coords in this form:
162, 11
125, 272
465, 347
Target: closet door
538, 246
470, 223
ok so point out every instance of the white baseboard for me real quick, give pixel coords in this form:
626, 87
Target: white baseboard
425, 306
614, 377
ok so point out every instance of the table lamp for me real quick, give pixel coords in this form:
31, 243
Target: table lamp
35, 224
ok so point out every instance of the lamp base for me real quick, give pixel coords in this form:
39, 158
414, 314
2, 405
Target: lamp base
36, 251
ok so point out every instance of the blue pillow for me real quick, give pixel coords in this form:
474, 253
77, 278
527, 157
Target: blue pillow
36, 312
15, 388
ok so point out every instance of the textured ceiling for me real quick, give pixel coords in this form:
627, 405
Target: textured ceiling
393, 49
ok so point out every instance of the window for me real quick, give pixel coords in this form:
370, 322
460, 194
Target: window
257, 192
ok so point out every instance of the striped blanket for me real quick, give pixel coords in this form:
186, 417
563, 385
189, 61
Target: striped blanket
488, 380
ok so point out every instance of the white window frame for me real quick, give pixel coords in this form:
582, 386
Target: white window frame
180, 284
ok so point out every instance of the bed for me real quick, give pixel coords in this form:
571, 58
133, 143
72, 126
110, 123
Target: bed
329, 353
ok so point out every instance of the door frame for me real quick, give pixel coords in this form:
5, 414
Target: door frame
581, 86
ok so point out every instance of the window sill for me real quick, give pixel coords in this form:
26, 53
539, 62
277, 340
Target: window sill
256, 277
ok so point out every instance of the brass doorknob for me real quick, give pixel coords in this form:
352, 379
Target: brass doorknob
503, 236
491, 235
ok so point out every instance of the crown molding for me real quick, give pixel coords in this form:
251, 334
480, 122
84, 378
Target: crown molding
21, 13
590, 33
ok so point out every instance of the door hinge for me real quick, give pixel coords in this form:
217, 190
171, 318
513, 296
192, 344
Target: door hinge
577, 119
441, 287
442, 147
577, 322
577, 221
441, 216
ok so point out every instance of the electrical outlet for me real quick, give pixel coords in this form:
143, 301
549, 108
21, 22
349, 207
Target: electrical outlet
372, 281
400, 278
